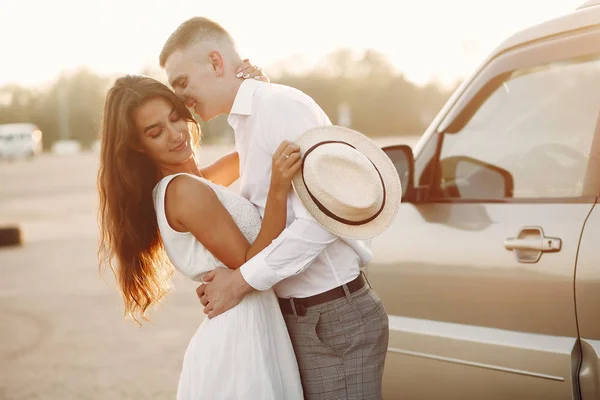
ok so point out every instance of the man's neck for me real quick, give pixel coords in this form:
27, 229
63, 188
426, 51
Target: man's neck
234, 89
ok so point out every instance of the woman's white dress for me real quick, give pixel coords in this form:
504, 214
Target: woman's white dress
246, 352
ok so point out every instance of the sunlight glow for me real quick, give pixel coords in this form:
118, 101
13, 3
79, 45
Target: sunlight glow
426, 40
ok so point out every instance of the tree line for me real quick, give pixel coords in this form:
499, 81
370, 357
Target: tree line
362, 89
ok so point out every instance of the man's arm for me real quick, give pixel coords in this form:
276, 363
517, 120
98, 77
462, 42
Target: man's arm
291, 253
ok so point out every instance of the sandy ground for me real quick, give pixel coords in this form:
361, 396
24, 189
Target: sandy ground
62, 331
63, 335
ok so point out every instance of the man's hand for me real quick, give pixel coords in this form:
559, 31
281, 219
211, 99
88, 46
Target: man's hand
200, 292
224, 289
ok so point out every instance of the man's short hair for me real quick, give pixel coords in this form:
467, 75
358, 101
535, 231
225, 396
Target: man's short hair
193, 30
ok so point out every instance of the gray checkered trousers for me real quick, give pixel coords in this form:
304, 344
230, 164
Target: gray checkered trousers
341, 346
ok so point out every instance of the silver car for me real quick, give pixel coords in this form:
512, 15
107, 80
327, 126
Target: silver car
491, 271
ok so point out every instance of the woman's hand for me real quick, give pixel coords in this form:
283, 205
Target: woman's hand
286, 163
250, 71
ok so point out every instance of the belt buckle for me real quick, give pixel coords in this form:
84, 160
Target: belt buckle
298, 308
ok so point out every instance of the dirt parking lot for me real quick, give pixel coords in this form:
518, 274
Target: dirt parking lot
63, 335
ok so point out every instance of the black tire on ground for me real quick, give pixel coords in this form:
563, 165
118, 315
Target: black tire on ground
10, 236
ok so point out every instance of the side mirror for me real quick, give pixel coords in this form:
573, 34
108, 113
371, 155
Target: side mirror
468, 178
402, 158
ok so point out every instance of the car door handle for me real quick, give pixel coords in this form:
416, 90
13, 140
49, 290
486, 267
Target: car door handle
530, 243
546, 244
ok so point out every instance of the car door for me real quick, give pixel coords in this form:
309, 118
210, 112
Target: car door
477, 271
587, 290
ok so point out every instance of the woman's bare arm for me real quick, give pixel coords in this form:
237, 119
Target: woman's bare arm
224, 171
192, 206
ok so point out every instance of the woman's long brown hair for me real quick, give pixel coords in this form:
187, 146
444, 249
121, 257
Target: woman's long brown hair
130, 242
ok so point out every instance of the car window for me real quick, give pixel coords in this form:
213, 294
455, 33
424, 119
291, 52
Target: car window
530, 138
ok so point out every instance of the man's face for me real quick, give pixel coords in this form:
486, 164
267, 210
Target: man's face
195, 81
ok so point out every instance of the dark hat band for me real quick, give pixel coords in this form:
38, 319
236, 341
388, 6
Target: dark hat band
327, 211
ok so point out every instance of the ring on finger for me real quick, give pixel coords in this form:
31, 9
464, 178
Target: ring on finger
285, 155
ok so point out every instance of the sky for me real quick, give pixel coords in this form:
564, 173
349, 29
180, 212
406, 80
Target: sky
439, 40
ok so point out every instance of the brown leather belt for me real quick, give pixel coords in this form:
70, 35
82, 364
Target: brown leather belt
302, 304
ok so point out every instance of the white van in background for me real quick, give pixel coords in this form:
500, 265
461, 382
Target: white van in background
20, 140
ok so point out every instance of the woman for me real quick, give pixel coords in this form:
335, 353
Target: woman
155, 199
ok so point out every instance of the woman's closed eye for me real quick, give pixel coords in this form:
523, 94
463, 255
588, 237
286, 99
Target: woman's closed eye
156, 132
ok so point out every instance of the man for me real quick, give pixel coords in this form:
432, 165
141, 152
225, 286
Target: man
338, 326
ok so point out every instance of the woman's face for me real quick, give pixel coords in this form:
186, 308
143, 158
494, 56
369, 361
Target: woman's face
163, 133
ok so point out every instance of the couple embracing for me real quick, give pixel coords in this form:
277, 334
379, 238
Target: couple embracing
289, 313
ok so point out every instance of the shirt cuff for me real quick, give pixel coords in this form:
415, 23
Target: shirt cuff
257, 274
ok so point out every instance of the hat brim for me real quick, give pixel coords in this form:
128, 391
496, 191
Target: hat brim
381, 161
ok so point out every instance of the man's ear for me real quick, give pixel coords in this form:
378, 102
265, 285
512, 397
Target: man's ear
217, 62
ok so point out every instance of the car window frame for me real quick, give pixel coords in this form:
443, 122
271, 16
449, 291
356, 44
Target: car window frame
563, 47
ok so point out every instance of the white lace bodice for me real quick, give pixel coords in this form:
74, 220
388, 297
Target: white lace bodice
188, 255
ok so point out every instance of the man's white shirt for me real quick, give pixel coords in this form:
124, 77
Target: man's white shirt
305, 259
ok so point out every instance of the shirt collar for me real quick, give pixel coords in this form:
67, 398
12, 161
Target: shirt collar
242, 105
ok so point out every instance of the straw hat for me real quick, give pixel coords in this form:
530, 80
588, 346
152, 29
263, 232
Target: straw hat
347, 183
